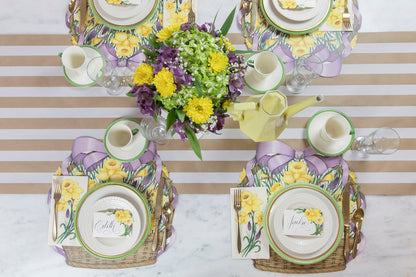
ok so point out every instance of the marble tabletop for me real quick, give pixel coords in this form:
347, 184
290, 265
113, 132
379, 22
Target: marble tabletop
203, 246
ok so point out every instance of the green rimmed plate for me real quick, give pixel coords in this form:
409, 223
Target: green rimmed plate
111, 248
303, 250
270, 83
123, 17
286, 25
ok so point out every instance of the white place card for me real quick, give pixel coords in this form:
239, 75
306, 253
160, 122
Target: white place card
106, 226
302, 222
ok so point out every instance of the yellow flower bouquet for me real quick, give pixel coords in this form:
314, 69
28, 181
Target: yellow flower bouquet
193, 73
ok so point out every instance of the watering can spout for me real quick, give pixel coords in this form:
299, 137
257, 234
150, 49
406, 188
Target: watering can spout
295, 108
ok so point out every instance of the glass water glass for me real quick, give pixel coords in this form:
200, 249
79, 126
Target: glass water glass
307, 69
104, 73
384, 140
154, 131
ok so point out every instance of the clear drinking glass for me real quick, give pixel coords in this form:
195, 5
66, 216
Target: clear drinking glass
308, 68
384, 140
154, 131
104, 73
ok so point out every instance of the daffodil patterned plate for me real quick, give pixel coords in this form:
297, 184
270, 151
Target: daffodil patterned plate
286, 25
297, 249
81, 78
299, 14
123, 17
103, 197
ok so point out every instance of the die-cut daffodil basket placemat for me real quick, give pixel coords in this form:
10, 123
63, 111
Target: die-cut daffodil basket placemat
275, 166
145, 174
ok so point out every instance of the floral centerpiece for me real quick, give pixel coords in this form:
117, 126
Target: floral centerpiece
193, 74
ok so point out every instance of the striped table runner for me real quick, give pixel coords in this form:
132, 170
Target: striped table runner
41, 114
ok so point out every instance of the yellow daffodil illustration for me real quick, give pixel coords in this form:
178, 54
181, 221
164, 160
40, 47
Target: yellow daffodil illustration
111, 171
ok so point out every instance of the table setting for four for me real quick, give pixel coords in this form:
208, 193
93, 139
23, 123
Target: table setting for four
112, 202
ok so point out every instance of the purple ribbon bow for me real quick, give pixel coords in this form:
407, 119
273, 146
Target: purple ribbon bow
275, 155
131, 62
90, 151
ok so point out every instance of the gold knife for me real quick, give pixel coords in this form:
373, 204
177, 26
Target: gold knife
158, 212
346, 217
253, 19
83, 15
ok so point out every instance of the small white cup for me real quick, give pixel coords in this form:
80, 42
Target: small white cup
75, 58
335, 129
120, 136
264, 65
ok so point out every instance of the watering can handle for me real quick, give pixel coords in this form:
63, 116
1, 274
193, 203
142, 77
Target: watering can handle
248, 106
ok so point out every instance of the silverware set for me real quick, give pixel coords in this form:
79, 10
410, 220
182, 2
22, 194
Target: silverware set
191, 14
237, 208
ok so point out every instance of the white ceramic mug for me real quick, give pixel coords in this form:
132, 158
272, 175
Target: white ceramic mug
335, 129
264, 65
75, 58
120, 136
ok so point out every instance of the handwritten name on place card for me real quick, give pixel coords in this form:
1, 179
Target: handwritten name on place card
108, 224
303, 222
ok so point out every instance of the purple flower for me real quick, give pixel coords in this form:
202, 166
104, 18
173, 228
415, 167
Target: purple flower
249, 226
167, 58
181, 77
67, 213
258, 235
219, 124
180, 128
186, 26
144, 98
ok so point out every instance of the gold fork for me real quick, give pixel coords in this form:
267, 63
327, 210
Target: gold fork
346, 18
191, 14
56, 198
237, 208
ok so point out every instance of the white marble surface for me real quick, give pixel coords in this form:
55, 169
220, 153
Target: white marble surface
202, 221
203, 246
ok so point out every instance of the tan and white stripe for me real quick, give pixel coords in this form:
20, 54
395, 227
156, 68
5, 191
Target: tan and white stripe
41, 114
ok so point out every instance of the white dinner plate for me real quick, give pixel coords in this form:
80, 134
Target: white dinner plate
286, 25
122, 17
303, 250
112, 196
299, 14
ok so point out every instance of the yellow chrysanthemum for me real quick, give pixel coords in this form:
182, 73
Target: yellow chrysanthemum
335, 18
226, 104
250, 202
298, 166
178, 18
170, 6
164, 82
243, 217
144, 30
217, 62
258, 218
276, 186
242, 175
143, 74
199, 109
166, 32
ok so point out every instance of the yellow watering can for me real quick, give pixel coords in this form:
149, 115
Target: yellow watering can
264, 117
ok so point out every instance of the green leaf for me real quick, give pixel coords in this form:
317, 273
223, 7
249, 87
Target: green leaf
193, 141
239, 52
228, 22
198, 87
181, 115
129, 94
172, 117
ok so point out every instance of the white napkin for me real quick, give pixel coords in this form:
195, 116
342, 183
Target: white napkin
254, 243
297, 4
76, 186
